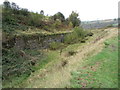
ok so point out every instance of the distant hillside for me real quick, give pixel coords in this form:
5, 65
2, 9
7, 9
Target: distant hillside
99, 23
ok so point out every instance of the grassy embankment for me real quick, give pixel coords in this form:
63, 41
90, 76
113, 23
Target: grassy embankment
53, 68
99, 71
47, 61
17, 68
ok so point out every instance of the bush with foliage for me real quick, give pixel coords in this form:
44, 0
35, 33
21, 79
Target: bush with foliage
80, 32
70, 38
77, 35
59, 16
74, 19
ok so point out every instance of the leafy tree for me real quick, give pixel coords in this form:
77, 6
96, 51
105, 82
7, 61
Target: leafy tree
74, 19
59, 16
6, 4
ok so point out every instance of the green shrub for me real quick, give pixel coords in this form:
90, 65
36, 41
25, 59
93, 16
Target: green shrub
55, 45
77, 35
70, 38
106, 43
79, 32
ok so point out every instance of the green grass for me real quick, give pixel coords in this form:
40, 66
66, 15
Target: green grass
50, 56
99, 71
119, 57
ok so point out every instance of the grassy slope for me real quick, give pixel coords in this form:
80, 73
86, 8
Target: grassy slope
54, 73
50, 60
99, 71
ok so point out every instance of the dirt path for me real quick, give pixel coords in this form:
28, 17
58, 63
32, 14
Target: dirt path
57, 76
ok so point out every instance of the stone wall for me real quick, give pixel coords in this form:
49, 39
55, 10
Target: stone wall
33, 42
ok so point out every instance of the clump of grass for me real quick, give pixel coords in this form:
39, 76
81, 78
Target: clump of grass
70, 53
106, 43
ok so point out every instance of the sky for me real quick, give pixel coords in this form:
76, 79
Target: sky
88, 9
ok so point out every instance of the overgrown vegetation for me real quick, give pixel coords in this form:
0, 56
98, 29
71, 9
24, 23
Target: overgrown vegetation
16, 18
18, 64
77, 35
99, 71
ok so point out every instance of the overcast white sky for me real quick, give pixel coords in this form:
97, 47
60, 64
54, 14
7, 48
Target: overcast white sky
87, 9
